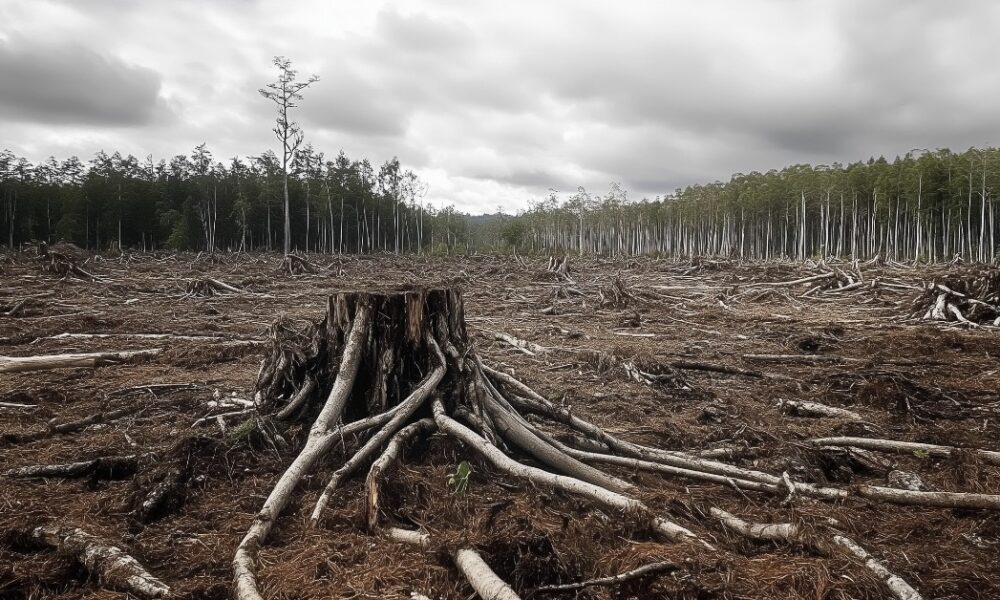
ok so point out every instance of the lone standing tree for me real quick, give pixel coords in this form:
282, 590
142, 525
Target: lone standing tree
284, 93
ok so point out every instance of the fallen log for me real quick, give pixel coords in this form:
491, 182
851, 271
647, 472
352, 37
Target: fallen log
899, 447
714, 368
20, 364
529, 348
107, 467
112, 567
804, 408
207, 287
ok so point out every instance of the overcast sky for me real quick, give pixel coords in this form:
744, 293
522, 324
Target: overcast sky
494, 102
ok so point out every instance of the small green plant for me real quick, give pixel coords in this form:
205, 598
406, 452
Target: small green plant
459, 480
922, 454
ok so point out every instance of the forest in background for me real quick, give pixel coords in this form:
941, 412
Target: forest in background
198, 203
930, 206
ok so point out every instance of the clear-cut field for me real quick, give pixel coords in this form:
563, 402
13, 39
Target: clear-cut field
663, 353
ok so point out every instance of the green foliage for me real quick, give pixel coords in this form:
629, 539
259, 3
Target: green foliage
243, 431
459, 480
513, 231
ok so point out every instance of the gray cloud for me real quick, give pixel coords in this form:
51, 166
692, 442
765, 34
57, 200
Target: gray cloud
348, 102
494, 103
70, 84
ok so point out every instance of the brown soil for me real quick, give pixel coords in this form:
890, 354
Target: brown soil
910, 380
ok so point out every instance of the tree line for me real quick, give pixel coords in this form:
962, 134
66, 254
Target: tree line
195, 202
930, 206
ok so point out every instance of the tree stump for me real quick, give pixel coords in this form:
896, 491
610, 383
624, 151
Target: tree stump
390, 366
293, 264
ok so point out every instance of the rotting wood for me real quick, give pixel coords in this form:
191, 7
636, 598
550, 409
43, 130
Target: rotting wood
112, 567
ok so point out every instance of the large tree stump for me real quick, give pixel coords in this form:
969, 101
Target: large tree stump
379, 362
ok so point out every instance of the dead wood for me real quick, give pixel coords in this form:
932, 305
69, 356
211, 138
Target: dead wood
13, 310
55, 428
107, 467
61, 265
112, 567
560, 266
804, 408
971, 300
714, 368
293, 264
479, 574
413, 350
794, 534
207, 287
639, 573
19, 364
935, 450
616, 294
529, 348
166, 489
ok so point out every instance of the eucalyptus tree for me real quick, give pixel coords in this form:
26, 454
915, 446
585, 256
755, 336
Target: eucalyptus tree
285, 92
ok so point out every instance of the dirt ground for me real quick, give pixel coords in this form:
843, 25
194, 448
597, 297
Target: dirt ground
909, 380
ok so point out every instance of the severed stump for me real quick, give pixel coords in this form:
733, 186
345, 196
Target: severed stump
61, 265
390, 366
293, 264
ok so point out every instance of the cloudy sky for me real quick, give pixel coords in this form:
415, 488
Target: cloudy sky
493, 103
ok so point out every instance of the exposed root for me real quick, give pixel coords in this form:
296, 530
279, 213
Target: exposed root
793, 534
321, 438
599, 495
389, 457
479, 574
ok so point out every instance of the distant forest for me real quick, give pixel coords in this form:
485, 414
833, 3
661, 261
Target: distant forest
198, 203
930, 206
